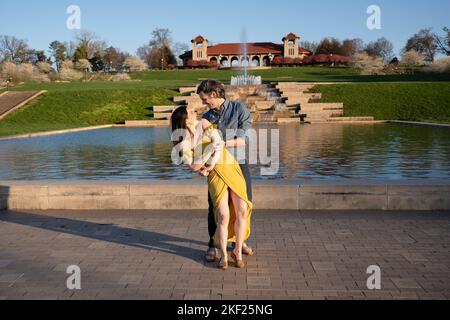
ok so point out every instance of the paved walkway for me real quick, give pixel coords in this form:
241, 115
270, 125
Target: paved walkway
11, 99
158, 255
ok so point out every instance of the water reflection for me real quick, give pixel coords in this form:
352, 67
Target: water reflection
318, 152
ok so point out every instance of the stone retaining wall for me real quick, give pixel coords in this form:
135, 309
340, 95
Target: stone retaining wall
192, 195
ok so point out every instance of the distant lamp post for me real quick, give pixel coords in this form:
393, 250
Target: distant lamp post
8, 83
162, 64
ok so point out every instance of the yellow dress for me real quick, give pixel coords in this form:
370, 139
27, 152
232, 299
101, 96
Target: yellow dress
227, 174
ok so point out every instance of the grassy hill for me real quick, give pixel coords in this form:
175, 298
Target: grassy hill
424, 102
419, 97
59, 109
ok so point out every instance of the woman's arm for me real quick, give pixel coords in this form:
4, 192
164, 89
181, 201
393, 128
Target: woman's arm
193, 161
218, 146
199, 163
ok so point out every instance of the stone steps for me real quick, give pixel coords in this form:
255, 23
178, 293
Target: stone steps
254, 99
164, 109
294, 86
352, 119
162, 116
301, 96
324, 106
147, 123
184, 90
264, 105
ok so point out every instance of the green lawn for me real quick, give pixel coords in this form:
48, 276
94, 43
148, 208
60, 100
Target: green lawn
306, 74
58, 109
425, 102
419, 97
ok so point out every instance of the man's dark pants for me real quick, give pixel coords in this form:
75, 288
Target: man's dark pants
212, 226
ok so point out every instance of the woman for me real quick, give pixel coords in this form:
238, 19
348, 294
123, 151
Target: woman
200, 146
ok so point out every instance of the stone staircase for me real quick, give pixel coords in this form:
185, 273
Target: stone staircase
284, 102
297, 98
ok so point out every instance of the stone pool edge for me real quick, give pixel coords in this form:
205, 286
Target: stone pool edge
192, 195
60, 132
159, 123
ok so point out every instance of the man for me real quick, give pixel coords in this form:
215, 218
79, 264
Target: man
234, 121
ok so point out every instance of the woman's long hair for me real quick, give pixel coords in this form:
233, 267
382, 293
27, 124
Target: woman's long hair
178, 121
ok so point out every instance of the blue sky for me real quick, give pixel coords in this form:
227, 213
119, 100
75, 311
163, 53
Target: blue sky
128, 24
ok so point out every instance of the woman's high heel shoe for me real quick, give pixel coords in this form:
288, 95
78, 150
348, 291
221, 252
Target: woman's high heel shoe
239, 263
223, 265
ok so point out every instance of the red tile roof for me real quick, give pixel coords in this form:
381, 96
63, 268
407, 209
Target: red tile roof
291, 37
252, 48
198, 39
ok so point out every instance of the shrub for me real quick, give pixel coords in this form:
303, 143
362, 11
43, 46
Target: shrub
135, 64
83, 65
120, 77
67, 64
40, 77
17, 73
286, 61
412, 59
367, 64
201, 64
44, 67
8, 70
69, 74
440, 66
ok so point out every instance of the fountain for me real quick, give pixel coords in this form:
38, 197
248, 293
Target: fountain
245, 79
264, 101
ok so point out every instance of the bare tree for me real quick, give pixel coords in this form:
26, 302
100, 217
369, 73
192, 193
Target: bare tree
89, 42
158, 53
423, 42
309, 45
381, 48
58, 52
178, 49
13, 49
443, 42
351, 47
71, 47
329, 46
114, 58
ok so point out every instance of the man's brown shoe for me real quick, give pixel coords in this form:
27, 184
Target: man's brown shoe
211, 255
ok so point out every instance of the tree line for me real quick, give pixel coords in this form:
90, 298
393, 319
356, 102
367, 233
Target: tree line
159, 53
424, 42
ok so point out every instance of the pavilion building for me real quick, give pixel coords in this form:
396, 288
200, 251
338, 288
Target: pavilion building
234, 55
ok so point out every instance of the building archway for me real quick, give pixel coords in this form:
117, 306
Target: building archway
224, 62
235, 62
213, 60
256, 62
266, 61
245, 62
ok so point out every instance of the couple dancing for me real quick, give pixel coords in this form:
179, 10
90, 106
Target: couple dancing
202, 146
